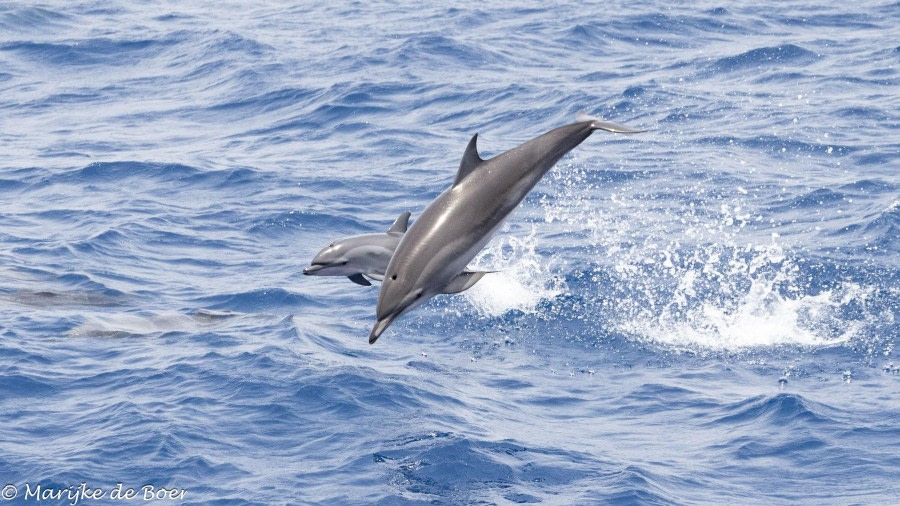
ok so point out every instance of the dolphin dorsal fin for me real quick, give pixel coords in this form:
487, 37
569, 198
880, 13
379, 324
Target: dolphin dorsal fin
470, 160
400, 224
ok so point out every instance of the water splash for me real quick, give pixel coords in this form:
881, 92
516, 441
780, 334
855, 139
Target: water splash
718, 283
523, 279
760, 317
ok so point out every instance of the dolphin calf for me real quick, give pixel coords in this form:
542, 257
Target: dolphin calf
431, 256
367, 254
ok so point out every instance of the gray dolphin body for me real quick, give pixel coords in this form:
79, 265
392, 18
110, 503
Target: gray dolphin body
431, 257
355, 256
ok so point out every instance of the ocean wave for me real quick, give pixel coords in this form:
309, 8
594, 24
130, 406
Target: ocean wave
31, 19
782, 409
87, 52
788, 54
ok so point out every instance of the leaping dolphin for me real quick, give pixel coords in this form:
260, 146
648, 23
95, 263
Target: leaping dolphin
431, 257
367, 254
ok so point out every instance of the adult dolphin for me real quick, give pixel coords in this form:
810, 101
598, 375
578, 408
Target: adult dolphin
431, 257
367, 254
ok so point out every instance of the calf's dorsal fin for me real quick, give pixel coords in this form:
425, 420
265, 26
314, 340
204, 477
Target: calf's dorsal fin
400, 224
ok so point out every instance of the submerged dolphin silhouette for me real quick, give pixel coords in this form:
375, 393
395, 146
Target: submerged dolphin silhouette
367, 254
430, 258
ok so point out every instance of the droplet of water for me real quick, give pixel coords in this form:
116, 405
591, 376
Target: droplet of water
847, 376
888, 367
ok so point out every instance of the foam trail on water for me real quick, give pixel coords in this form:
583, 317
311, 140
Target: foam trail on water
523, 278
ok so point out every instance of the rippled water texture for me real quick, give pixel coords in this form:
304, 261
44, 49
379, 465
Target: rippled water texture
703, 313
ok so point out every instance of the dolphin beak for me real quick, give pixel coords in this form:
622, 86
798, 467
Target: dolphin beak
381, 325
312, 269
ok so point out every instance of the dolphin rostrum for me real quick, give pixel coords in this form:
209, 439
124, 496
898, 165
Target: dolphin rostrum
431, 257
367, 254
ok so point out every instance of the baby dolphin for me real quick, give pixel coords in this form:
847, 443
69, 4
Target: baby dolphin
367, 254
431, 257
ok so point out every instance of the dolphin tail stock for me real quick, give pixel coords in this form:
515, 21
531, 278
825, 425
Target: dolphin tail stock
609, 126
464, 281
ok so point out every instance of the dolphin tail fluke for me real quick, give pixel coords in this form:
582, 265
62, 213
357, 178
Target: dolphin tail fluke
400, 224
464, 281
609, 126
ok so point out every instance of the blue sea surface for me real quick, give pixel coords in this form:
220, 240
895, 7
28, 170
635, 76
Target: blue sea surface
707, 312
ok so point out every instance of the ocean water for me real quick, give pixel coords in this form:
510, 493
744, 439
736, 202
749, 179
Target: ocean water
703, 313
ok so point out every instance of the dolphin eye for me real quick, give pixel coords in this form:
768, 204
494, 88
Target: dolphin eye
343, 263
394, 277
419, 295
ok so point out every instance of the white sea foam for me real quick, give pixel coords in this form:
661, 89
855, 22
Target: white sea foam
729, 297
760, 317
697, 276
523, 278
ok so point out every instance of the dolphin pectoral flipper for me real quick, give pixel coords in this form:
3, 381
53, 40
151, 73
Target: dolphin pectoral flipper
609, 126
400, 224
464, 281
359, 280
